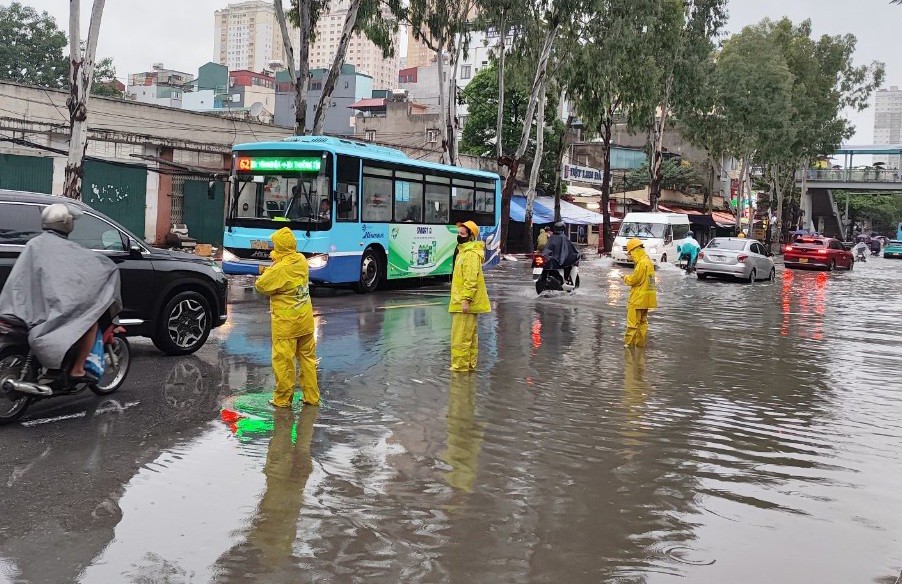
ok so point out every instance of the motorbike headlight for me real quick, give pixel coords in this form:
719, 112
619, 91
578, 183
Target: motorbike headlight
318, 261
228, 256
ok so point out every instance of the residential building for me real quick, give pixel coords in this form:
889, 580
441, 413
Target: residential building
362, 53
160, 86
209, 90
888, 123
350, 87
418, 54
246, 35
391, 119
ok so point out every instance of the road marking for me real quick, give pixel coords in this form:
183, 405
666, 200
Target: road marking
104, 410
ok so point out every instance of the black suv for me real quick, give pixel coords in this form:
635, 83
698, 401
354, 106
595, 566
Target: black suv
172, 297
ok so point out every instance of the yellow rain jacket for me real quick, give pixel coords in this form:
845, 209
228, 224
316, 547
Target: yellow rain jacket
468, 283
287, 283
643, 294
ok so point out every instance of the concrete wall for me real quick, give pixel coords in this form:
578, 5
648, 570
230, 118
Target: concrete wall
202, 100
400, 126
339, 118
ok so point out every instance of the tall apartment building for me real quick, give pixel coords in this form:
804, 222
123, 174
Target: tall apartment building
246, 35
888, 123
418, 54
364, 55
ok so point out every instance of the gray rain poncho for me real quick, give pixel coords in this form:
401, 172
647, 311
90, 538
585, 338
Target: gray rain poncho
59, 289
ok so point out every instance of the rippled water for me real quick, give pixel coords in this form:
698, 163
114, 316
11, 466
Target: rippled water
757, 439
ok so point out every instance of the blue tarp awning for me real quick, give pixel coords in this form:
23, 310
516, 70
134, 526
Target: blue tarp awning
540, 213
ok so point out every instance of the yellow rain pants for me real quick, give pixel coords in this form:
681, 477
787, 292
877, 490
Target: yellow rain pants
636, 327
464, 341
643, 296
284, 353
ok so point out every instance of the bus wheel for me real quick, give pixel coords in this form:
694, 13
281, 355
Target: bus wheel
370, 272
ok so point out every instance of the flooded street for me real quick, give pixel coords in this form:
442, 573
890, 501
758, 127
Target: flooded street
757, 439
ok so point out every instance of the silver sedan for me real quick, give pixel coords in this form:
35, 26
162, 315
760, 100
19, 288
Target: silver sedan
744, 259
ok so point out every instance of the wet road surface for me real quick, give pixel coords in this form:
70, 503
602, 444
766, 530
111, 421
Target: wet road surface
757, 439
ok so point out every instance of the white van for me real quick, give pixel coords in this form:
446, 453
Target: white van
661, 233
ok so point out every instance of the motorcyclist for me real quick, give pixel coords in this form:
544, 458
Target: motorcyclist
61, 290
861, 250
560, 253
689, 249
875, 245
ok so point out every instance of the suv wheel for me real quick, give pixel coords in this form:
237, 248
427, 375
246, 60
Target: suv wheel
184, 324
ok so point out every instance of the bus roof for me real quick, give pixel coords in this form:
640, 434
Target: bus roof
355, 148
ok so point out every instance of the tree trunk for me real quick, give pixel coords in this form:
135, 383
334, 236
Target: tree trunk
513, 162
607, 232
319, 115
81, 72
442, 98
536, 165
286, 44
657, 157
499, 121
808, 221
777, 230
303, 82
453, 120
737, 213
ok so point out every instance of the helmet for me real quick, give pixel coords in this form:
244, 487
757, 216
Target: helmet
57, 217
559, 227
471, 227
633, 244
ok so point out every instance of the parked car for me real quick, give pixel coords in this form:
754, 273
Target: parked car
172, 297
731, 257
818, 252
893, 249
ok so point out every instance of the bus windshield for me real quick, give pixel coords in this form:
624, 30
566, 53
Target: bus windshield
301, 200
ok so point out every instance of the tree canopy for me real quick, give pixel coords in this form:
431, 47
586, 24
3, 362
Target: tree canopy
32, 47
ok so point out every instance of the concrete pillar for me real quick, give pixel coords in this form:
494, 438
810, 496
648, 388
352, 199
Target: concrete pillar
164, 200
151, 206
807, 206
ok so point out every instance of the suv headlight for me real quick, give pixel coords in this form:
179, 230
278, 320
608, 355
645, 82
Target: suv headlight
228, 256
317, 261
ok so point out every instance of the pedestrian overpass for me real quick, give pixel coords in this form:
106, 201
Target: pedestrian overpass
819, 208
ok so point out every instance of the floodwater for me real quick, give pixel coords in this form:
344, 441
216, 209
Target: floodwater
757, 439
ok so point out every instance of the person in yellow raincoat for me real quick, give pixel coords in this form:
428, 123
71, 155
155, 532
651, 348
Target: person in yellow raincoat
469, 297
287, 283
643, 295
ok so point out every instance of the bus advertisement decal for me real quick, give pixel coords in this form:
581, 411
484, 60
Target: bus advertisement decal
418, 250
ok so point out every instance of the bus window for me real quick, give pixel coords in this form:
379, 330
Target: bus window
376, 194
462, 198
408, 197
346, 194
437, 199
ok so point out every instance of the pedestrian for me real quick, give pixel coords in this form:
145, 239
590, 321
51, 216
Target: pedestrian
542, 241
643, 295
287, 283
469, 297
581, 234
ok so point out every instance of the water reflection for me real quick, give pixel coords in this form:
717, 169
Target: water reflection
464, 433
267, 551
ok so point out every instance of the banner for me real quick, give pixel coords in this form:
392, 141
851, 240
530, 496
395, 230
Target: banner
421, 250
582, 174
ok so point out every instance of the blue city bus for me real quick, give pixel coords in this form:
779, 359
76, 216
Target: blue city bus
361, 213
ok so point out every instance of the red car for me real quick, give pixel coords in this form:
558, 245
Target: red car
818, 252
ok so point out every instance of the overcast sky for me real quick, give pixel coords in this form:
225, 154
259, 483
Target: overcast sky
179, 33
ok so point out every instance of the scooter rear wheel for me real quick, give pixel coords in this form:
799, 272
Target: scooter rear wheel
113, 377
12, 404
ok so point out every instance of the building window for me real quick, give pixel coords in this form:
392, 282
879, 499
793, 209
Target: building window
465, 72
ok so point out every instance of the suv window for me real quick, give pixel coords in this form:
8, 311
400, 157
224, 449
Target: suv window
94, 233
19, 223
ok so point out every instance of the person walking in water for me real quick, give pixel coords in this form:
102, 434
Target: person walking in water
542, 241
643, 295
469, 297
287, 283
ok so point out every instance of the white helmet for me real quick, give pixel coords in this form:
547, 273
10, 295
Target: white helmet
58, 217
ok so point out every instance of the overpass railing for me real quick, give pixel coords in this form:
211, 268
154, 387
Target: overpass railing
853, 175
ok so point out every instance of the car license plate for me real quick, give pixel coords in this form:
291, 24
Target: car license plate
803, 260
717, 259
537, 271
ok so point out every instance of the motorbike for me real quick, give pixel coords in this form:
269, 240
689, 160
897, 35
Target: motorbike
554, 279
683, 263
23, 380
862, 255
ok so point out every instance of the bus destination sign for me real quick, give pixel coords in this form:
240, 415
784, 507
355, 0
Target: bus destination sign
278, 164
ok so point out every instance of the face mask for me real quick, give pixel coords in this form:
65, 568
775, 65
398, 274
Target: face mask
462, 239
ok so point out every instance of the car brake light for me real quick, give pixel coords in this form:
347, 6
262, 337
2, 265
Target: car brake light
787, 248
539, 261
701, 254
742, 257
823, 251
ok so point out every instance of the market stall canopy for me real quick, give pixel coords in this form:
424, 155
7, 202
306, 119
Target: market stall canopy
573, 214
540, 213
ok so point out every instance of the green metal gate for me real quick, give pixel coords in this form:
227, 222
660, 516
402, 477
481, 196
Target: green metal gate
26, 173
204, 216
118, 191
